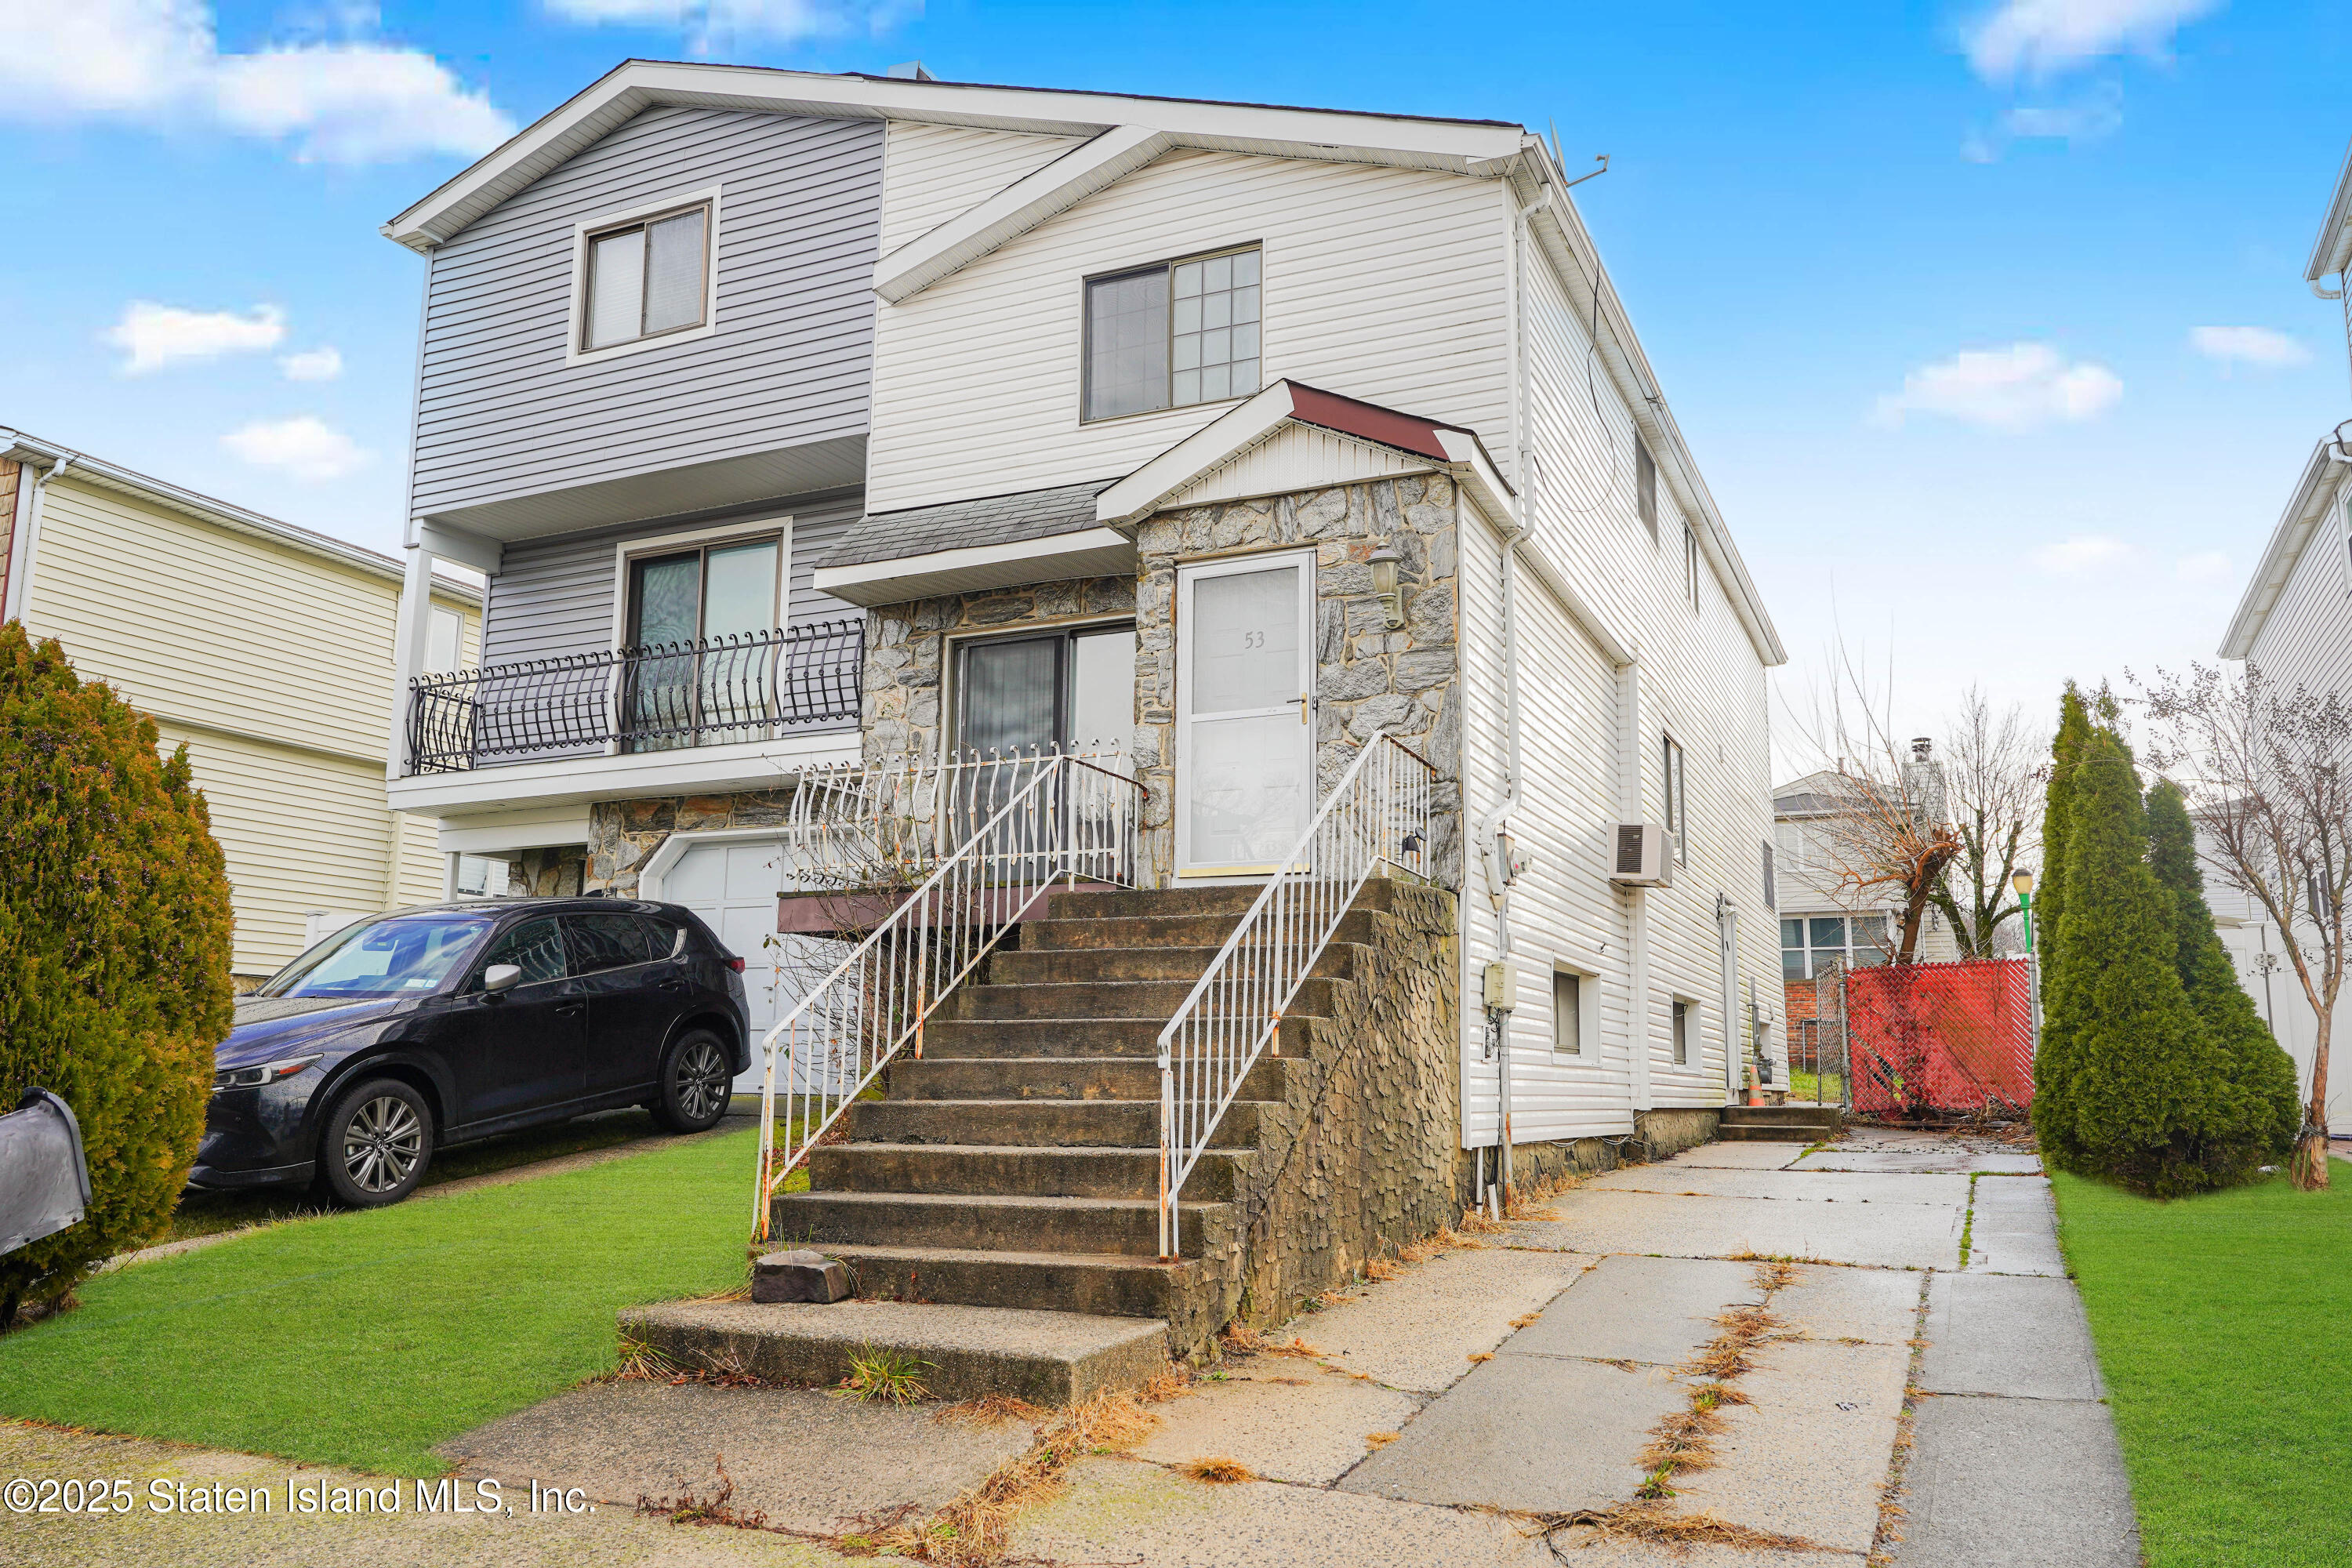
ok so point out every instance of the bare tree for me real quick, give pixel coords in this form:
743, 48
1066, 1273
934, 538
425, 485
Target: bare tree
2266, 774
1889, 836
1994, 783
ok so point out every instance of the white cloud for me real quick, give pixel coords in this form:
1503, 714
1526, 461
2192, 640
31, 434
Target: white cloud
2203, 569
2016, 388
2042, 38
156, 335
2088, 117
304, 446
2083, 555
159, 62
2257, 346
322, 363
711, 25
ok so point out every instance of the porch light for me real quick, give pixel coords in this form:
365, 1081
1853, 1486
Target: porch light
1384, 583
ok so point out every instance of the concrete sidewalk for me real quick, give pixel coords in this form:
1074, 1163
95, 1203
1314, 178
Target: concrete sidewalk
1457, 1414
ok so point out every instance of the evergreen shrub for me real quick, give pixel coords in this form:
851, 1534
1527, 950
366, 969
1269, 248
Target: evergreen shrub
114, 951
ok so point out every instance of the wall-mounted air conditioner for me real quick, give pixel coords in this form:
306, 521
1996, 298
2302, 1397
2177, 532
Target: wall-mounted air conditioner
1644, 855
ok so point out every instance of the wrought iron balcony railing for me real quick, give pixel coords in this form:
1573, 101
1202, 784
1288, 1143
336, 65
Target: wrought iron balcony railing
751, 687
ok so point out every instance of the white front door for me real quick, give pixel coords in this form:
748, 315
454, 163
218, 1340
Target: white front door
1245, 734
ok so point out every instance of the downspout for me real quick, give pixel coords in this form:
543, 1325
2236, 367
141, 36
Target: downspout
1490, 826
27, 544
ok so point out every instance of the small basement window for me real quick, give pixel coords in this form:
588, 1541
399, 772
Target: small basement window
1568, 1013
1172, 334
1685, 1026
648, 277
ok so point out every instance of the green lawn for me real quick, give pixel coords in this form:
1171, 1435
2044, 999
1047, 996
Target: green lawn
205, 1212
363, 1339
1810, 1087
2220, 1326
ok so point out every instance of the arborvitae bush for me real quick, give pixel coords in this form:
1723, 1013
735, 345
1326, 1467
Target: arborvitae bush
2257, 1119
2054, 1064
2144, 1078
114, 950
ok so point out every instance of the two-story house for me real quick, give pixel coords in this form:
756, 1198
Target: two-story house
263, 647
2293, 623
800, 418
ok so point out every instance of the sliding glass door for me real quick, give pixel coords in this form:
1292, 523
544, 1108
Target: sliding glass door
697, 669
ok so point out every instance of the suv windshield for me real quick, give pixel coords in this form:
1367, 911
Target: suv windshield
393, 956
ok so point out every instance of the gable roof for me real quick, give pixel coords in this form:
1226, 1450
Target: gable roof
2306, 512
17, 446
1337, 134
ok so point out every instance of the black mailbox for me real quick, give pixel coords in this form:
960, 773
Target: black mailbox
44, 1177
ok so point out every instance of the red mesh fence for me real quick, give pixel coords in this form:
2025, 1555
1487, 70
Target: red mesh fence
1940, 1036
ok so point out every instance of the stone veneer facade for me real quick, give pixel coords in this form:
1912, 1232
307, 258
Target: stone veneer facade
1369, 677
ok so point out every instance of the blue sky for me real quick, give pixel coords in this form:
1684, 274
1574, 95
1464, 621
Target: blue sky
1925, 284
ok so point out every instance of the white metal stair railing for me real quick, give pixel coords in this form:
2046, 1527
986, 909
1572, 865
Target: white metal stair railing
865, 825
1062, 820
1377, 813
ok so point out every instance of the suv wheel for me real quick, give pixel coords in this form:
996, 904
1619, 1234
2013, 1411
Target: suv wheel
377, 1143
695, 1082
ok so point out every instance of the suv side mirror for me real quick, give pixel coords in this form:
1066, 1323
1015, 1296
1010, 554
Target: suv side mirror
500, 977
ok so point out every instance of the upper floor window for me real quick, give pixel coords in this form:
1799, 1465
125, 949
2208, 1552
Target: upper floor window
1645, 487
1690, 564
646, 278
1173, 334
1677, 804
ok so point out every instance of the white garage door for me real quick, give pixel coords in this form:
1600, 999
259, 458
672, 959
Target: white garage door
733, 888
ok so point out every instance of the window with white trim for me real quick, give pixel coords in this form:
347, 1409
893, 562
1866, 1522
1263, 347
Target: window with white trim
1569, 992
1677, 805
1172, 334
646, 278
1685, 1027
1645, 487
1690, 564
1807, 942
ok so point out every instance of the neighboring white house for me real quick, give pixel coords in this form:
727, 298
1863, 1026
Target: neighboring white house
2293, 623
263, 647
991, 413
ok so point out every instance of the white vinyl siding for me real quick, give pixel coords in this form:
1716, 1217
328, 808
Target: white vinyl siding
1387, 284
2307, 638
1701, 681
934, 172
274, 664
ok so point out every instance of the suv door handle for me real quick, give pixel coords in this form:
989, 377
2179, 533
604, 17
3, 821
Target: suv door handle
566, 1009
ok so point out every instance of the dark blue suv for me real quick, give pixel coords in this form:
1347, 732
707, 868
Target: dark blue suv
412, 1031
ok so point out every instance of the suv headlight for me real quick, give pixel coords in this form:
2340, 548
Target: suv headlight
268, 1073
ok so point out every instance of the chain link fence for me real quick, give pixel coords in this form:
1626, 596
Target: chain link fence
1937, 1038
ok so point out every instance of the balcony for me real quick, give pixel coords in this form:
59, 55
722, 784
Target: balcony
726, 692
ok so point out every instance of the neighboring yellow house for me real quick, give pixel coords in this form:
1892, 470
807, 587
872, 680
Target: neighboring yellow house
267, 648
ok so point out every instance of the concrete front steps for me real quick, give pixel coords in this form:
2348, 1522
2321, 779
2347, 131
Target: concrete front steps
997, 1209
1780, 1123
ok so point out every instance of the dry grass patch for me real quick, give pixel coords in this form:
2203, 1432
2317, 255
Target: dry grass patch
1379, 1270
975, 1529
991, 1410
1744, 1328
1217, 1469
1662, 1524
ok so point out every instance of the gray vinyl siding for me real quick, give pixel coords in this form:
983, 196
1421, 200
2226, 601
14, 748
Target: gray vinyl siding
500, 415
558, 596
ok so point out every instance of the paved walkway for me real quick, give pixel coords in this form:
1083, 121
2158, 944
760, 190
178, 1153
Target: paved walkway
1459, 1414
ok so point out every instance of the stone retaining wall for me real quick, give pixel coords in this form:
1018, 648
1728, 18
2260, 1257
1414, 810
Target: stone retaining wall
1359, 1162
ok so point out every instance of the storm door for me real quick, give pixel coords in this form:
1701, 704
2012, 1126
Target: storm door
1245, 736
